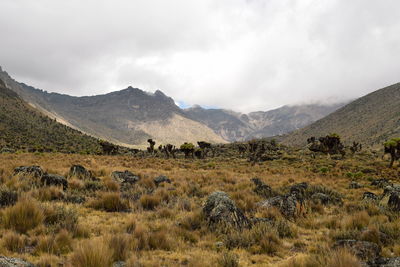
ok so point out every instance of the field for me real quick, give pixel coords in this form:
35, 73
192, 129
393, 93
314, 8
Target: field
103, 222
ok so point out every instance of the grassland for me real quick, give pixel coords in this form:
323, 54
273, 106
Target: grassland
146, 225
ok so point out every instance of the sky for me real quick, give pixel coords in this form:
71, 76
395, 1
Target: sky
244, 55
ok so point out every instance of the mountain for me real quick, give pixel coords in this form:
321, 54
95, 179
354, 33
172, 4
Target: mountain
371, 120
126, 117
131, 116
233, 126
23, 127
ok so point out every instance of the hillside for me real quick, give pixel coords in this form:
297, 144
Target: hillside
370, 120
23, 127
234, 126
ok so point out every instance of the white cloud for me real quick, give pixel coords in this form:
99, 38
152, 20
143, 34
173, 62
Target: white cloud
237, 54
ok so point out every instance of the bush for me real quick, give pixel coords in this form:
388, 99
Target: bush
92, 253
24, 216
111, 202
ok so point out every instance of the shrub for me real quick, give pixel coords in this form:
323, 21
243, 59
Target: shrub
92, 253
111, 202
23, 216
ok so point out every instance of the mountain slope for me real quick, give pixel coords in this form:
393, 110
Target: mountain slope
23, 127
234, 126
370, 120
127, 117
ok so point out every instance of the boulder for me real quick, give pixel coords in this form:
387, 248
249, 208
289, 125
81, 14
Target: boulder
287, 204
394, 201
161, 179
369, 196
80, 172
322, 198
362, 249
14, 262
35, 171
8, 197
54, 179
220, 210
261, 188
125, 177
381, 183
385, 262
354, 185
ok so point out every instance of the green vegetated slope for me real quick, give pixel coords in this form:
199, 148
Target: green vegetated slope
23, 127
371, 120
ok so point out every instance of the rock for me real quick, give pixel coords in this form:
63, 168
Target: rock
35, 171
385, 262
8, 197
14, 262
322, 198
381, 183
220, 210
287, 205
394, 201
362, 249
54, 179
354, 185
119, 264
369, 196
80, 172
261, 188
125, 177
161, 179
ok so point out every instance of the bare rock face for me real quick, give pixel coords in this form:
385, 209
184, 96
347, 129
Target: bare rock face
14, 262
35, 171
364, 250
125, 177
220, 210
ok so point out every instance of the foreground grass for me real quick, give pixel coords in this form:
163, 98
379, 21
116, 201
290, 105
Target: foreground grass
146, 225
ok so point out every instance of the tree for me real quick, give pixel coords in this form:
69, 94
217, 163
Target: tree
187, 149
392, 147
152, 143
329, 144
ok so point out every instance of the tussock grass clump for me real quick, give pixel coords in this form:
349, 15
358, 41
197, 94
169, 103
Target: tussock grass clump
149, 202
228, 259
92, 253
25, 215
8, 196
14, 242
342, 258
120, 246
60, 216
50, 193
111, 202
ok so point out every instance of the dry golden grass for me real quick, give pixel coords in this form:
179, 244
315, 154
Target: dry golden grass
145, 225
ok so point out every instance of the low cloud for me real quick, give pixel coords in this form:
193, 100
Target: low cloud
244, 55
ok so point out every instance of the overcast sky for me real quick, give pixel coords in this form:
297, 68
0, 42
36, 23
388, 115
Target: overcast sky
244, 55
